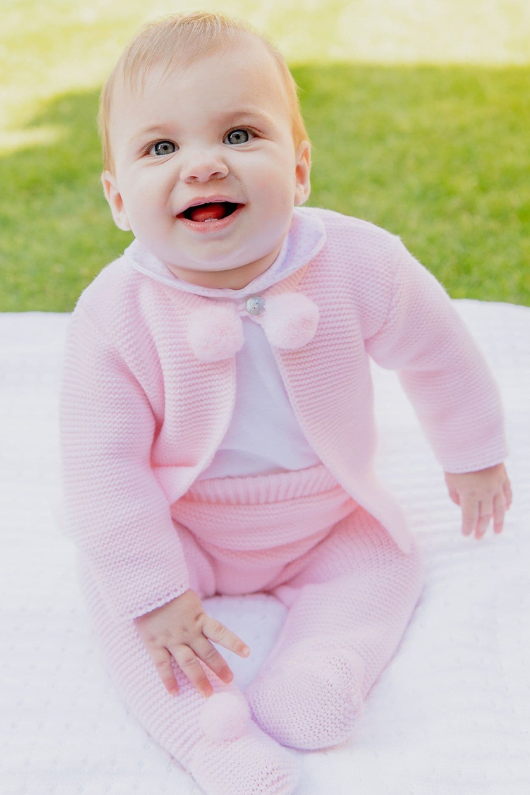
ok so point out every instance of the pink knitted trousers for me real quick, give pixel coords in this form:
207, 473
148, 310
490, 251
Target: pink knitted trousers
350, 594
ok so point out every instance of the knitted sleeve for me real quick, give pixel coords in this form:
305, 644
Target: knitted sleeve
114, 509
441, 369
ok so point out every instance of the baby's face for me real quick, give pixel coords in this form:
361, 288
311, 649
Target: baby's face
215, 136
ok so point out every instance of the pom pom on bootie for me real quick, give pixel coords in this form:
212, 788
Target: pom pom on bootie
290, 320
225, 716
215, 333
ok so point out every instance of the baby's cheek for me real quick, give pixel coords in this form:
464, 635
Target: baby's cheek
277, 194
148, 203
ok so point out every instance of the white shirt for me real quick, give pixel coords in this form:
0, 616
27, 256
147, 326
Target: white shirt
264, 436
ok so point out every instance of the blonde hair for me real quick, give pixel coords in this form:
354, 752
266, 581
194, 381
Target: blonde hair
178, 40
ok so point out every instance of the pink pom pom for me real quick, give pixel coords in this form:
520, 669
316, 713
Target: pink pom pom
225, 716
290, 320
215, 333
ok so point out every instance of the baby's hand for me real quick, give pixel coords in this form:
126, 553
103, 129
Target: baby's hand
183, 630
483, 494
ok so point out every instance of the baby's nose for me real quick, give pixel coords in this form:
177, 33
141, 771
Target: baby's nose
203, 166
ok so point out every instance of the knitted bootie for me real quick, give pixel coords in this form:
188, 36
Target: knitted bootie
250, 764
309, 696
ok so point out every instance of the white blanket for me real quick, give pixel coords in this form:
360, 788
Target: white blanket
449, 716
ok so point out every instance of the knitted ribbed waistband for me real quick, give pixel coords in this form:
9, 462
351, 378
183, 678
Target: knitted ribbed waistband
261, 489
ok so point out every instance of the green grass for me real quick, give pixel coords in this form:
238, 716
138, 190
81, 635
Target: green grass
436, 153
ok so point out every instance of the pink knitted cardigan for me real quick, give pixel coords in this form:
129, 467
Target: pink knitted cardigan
141, 416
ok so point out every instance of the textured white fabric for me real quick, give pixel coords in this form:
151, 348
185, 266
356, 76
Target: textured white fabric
451, 714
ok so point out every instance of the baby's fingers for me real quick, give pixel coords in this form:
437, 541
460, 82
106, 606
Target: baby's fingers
217, 632
486, 512
470, 514
209, 655
162, 660
190, 665
498, 512
507, 489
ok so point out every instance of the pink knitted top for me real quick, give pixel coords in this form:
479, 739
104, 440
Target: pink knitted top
144, 406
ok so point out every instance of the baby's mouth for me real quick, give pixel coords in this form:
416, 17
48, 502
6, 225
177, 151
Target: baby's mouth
210, 211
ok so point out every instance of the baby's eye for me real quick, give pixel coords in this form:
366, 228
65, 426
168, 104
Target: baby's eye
238, 137
162, 148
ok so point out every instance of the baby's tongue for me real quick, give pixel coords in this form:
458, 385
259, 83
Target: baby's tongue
206, 212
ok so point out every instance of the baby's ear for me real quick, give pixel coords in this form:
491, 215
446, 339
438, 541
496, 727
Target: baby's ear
303, 171
113, 196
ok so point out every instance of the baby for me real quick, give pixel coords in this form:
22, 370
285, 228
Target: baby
217, 423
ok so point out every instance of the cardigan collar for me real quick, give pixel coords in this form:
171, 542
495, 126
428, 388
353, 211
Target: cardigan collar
305, 238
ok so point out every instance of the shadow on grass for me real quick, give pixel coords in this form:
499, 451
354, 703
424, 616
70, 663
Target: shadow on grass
438, 155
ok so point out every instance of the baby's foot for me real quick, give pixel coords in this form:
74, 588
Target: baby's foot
309, 697
253, 764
